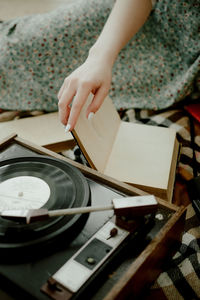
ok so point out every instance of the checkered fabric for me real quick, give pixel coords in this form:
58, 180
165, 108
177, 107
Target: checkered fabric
181, 276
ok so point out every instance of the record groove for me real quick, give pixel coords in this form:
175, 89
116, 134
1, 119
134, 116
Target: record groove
68, 188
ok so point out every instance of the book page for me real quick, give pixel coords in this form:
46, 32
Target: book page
42, 130
96, 136
142, 154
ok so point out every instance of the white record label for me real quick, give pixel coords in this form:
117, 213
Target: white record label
23, 192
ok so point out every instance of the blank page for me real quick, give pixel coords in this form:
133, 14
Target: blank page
96, 136
142, 155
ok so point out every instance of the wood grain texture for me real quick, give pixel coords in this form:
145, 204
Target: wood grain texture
148, 265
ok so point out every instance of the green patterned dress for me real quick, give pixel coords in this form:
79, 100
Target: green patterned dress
157, 68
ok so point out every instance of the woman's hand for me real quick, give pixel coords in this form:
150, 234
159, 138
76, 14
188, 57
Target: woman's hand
93, 76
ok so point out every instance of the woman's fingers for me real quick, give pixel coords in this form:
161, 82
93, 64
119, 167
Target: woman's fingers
63, 87
61, 90
90, 77
66, 96
98, 99
78, 102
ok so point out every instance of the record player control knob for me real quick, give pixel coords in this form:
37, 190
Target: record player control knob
20, 194
91, 260
113, 233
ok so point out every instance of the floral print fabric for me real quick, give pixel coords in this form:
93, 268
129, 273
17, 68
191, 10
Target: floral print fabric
157, 68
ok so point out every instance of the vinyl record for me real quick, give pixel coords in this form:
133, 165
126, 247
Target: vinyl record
40, 182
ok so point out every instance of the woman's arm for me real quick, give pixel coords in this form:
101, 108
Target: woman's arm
94, 75
126, 18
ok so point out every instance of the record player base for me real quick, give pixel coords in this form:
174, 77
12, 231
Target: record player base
135, 274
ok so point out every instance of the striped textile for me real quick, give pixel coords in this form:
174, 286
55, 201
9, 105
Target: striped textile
181, 276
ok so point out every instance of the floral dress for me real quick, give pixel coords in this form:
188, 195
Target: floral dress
156, 69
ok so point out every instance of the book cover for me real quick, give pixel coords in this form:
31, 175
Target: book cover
142, 155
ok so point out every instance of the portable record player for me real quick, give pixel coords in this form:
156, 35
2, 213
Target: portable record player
69, 257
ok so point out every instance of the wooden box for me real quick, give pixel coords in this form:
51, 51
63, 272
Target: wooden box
136, 274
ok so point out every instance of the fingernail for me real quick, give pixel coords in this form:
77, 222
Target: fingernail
90, 116
67, 128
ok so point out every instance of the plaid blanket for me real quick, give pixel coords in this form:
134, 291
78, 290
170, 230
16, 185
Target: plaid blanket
181, 276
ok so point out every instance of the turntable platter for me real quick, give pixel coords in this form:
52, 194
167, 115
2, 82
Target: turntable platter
23, 192
40, 182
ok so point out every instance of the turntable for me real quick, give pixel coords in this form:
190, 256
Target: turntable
72, 256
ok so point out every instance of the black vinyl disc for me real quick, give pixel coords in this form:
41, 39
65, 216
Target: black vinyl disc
54, 184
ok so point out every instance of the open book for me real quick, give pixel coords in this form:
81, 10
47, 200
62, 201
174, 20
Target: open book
44, 130
142, 155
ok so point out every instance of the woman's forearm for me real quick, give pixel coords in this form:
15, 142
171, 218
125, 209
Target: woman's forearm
94, 75
126, 18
